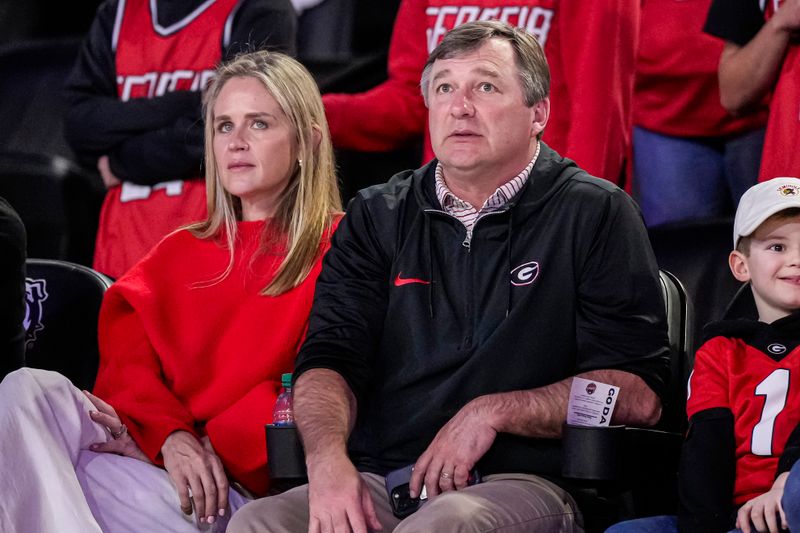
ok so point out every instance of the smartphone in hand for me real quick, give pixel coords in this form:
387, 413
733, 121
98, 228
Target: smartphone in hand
397, 487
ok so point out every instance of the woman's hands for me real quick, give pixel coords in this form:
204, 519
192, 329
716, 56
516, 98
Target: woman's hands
122, 443
193, 465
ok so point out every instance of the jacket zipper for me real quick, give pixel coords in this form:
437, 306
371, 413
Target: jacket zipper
467, 243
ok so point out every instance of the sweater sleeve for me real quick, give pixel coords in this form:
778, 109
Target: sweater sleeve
599, 72
238, 437
393, 112
130, 376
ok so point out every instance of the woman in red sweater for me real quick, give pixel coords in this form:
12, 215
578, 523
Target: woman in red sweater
194, 339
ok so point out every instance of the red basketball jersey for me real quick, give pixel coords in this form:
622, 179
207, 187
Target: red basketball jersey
762, 392
151, 60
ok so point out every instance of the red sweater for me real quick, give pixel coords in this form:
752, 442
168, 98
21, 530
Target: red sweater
208, 360
590, 47
677, 89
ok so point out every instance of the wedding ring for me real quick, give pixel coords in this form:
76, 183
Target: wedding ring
120, 432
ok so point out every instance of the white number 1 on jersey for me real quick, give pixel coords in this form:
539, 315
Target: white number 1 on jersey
775, 387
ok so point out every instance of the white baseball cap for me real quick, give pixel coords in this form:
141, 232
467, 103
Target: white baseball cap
763, 200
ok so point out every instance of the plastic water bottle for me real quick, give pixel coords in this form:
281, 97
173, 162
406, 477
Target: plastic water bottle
283, 413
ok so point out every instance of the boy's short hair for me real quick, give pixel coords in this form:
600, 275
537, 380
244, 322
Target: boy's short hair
760, 202
744, 242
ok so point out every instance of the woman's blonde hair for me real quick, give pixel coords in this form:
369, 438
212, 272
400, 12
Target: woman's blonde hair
311, 198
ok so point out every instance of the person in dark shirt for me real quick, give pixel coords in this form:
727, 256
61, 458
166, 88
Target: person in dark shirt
12, 290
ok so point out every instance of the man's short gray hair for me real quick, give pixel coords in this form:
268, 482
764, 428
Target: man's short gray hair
528, 54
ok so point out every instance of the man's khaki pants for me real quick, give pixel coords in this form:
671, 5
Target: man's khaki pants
503, 502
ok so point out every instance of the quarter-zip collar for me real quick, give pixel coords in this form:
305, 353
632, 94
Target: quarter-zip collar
551, 172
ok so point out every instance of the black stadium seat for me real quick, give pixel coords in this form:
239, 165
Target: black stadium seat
63, 302
697, 253
625, 472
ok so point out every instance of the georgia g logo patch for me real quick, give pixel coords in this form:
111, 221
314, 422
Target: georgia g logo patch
35, 294
525, 274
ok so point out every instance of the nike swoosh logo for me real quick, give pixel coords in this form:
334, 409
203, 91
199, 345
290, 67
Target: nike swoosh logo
398, 281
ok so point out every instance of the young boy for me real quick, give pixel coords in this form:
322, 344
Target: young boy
744, 391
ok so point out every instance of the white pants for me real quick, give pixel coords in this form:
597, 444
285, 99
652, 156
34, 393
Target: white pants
51, 482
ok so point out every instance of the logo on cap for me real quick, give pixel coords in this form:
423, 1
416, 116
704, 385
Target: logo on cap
789, 190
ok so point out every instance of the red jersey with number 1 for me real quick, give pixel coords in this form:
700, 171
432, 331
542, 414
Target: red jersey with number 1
152, 60
763, 393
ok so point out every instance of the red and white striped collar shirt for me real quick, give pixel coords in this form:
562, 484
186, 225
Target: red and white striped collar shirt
466, 212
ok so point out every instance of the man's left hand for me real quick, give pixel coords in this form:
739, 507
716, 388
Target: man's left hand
447, 462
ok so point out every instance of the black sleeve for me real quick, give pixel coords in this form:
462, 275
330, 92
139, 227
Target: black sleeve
96, 120
171, 153
707, 473
264, 25
737, 21
791, 452
12, 287
350, 302
621, 318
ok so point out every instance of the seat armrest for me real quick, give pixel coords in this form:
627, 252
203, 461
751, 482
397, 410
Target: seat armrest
592, 453
618, 453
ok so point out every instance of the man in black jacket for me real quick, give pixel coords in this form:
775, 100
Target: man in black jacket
446, 336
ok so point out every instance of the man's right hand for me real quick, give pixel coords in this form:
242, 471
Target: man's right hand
338, 498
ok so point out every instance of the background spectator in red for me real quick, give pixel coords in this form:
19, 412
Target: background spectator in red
762, 60
692, 159
590, 47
